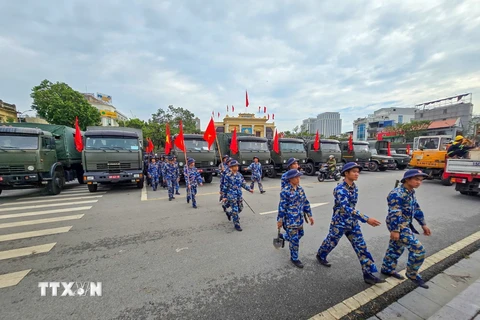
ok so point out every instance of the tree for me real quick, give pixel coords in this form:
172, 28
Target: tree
11, 119
59, 104
411, 129
173, 115
133, 123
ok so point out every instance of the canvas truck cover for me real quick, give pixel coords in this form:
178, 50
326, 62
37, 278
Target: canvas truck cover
138, 131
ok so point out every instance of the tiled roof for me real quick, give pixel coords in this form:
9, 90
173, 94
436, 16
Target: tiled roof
438, 124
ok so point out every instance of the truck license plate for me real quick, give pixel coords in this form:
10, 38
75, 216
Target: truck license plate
114, 177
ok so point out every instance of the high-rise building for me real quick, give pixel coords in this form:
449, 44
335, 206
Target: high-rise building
327, 123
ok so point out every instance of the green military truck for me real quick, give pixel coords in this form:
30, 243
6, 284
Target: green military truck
383, 161
112, 155
197, 148
36, 155
360, 154
315, 159
248, 147
401, 160
289, 148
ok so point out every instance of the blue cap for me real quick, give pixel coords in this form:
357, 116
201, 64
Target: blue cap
190, 161
291, 161
224, 157
170, 158
350, 166
255, 157
233, 163
413, 173
293, 173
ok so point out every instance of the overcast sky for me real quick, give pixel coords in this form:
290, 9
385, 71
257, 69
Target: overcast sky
298, 58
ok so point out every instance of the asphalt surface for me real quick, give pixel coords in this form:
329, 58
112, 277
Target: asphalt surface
165, 260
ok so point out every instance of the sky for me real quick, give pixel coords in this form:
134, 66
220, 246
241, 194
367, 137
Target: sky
297, 58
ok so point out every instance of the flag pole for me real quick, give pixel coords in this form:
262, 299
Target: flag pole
187, 177
219, 151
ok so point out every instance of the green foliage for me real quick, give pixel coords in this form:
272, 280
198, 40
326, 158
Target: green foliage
411, 129
60, 104
10, 119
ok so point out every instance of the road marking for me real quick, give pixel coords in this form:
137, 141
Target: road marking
37, 213
12, 279
31, 234
346, 307
15, 253
312, 205
144, 194
61, 196
49, 200
75, 191
39, 221
48, 205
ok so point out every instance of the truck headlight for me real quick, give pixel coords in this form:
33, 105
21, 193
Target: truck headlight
284, 161
89, 178
244, 162
385, 161
180, 164
211, 163
356, 159
303, 160
267, 162
31, 168
136, 175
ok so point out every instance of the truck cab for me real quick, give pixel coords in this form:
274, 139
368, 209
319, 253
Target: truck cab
315, 159
401, 160
465, 173
360, 154
383, 162
289, 148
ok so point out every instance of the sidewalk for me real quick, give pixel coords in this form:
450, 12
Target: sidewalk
454, 294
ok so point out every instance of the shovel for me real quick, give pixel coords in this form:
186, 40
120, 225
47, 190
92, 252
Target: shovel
278, 242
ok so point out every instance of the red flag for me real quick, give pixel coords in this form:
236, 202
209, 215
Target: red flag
259, 108
408, 149
210, 134
389, 151
246, 99
268, 117
350, 143
233, 109
147, 148
316, 144
179, 141
78, 136
227, 108
151, 147
276, 143
213, 113
219, 115
264, 109
233, 143
168, 142
273, 116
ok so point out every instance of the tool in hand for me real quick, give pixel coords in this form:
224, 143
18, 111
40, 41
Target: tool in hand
278, 242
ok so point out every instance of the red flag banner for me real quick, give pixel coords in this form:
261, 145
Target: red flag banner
246, 99
408, 149
389, 150
227, 108
233, 143
219, 115
350, 143
264, 109
316, 144
168, 141
78, 136
213, 113
233, 109
210, 133
259, 108
273, 116
276, 143
151, 147
179, 140
147, 148
268, 117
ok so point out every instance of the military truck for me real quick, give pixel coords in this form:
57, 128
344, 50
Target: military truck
360, 154
248, 147
289, 148
197, 148
383, 162
401, 160
36, 155
315, 159
112, 156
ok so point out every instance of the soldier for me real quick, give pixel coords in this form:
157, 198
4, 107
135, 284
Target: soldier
293, 205
232, 192
222, 183
402, 209
170, 177
192, 180
177, 181
256, 168
153, 173
160, 165
292, 163
223, 167
332, 164
146, 165
345, 222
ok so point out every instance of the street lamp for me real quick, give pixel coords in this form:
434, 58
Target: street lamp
22, 113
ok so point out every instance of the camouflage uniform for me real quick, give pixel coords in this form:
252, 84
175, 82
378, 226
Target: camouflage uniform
402, 209
170, 176
345, 222
293, 203
193, 179
177, 184
154, 174
256, 169
232, 191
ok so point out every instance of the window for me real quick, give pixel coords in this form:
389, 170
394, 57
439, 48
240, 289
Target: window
329, 147
291, 146
444, 111
421, 115
400, 118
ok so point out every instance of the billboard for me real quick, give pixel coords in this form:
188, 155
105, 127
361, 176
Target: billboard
110, 114
104, 97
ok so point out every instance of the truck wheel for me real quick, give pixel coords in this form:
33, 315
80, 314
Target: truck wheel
1, 191
54, 186
92, 187
208, 178
447, 182
80, 176
373, 166
309, 169
382, 169
272, 173
140, 184
401, 167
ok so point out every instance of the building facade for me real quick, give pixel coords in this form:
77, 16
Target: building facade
8, 112
247, 123
308, 125
327, 123
197, 123
110, 116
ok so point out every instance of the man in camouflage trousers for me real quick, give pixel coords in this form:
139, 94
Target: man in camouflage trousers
192, 180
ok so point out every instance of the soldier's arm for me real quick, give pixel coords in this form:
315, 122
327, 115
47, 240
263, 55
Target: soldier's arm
306, 206
225, 185
418, 214
395, 216
282, 205
341, 195
244, 184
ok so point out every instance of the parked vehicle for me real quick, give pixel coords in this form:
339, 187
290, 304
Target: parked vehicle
289, 148
360, 154
465, 173
382, 162
315, 159
401, 160
324, 173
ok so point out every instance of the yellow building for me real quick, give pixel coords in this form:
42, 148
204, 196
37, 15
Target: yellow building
247, 123
8, 112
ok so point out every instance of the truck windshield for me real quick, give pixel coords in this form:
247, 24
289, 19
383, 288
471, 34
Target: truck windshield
327, 146
428, 143
360, 147
252, 145
292, 146
373, 151
197, 145
117, 143
18, 142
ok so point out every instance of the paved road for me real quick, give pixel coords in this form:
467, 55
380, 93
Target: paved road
165, 260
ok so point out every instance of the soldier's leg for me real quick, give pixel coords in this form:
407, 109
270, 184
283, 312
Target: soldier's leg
355, 237
260, 185
394, 251
291, 236
193, 192
416, 255
334, 234
170, 185
177, 187
234, 214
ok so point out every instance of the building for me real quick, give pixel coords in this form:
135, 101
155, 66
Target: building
197, 123
110, 116
8, 112
308, 125
451, 127
36, 119
369, 127
448, 108
247, 123
327, 123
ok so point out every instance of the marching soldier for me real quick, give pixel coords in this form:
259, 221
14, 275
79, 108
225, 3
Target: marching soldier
256, 169
292, 163
146, 166
192, 179
232, 192
161, 164
402, 209
177, 181
222, 183
154, 173
345, 222
170, 176
223, 168
291, 210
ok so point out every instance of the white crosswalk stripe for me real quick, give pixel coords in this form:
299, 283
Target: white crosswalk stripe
31, 219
